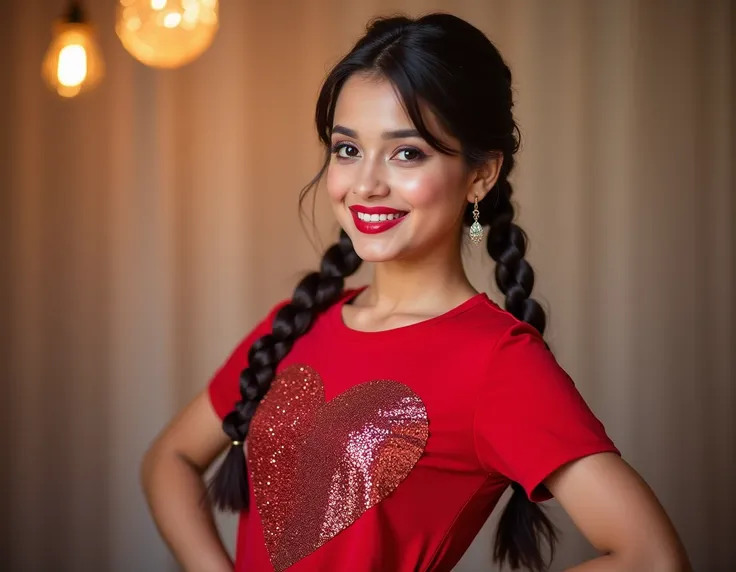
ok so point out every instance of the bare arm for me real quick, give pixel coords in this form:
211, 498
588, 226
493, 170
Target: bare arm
171, 474
619, 514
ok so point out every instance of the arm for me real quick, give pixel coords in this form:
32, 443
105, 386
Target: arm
618, 513
171, 475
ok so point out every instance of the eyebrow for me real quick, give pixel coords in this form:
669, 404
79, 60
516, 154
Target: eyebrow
397, 134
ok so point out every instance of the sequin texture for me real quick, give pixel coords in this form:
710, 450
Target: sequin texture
317, 467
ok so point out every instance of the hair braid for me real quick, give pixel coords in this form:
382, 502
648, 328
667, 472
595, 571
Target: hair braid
315, 293
523, 524
507, 246
450, 66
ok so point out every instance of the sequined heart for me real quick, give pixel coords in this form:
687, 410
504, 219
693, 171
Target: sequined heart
316, 467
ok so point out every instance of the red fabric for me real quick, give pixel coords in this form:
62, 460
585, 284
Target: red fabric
224, 388
499, 408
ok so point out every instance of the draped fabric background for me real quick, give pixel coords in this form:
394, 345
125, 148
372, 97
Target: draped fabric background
146, 227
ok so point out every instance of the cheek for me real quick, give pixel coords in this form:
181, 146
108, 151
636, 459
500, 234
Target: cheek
337, 183
425, 188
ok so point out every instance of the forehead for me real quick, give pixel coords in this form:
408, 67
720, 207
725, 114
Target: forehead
370, 103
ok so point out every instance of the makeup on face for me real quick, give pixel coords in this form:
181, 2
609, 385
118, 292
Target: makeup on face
391, 191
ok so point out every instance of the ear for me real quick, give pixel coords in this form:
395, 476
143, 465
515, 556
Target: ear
484, 177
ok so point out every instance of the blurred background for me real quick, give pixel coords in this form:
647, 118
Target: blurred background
149, 223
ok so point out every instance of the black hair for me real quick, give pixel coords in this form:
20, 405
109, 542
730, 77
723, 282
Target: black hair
446, 64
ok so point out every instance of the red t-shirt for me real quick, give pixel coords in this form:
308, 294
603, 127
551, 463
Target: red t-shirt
389, 450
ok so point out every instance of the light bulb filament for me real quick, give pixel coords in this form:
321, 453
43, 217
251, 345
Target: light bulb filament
72, 67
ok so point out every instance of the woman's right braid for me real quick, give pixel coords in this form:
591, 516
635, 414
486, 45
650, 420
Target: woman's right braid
507, 246
523, 524
316, 292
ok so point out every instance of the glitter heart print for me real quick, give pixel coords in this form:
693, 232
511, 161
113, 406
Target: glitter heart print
317, 467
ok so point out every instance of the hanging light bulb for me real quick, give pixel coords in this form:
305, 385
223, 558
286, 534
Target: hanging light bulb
167, 33
73, 62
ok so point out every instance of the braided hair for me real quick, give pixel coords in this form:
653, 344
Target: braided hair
445, 64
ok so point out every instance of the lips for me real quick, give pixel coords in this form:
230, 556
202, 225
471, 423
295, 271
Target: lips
374, 220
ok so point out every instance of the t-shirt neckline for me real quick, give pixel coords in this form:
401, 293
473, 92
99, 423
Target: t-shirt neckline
346, 332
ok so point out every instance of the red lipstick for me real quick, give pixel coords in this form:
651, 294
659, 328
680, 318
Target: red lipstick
373, 220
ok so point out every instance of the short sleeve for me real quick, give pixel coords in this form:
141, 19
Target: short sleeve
530, 419
224, 386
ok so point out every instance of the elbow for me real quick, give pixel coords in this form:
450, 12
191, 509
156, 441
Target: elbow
671, 556
657, 560
147, 469
667, 563
161, 461
673, 561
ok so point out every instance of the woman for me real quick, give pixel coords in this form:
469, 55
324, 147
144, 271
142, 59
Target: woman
383, 424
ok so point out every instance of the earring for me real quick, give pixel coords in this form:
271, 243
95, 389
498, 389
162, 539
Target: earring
476, 231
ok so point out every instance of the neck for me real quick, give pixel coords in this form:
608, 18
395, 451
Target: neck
435, 279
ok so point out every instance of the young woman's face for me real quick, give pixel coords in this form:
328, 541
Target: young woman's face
394, 195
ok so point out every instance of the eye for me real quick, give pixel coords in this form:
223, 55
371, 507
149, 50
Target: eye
345, 150
410, 154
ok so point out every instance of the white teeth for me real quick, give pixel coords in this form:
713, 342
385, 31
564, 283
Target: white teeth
379, 218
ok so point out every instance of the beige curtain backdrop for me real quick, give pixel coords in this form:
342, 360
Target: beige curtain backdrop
146, 227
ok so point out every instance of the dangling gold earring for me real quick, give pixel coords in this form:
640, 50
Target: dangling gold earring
476, 231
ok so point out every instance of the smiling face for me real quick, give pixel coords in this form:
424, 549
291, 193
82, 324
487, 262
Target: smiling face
395, 196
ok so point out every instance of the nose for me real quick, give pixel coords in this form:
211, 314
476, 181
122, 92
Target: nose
370, 182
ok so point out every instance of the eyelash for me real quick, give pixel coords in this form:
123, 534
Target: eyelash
421, 155
337, 146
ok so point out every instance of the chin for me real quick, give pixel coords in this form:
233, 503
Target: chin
371, 250
374, 255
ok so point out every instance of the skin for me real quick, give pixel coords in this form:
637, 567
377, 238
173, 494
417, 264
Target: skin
418, 275
418, 272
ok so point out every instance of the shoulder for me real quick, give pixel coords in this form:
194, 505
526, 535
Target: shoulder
494, 328
262, 326
507, 350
